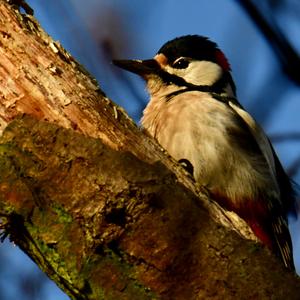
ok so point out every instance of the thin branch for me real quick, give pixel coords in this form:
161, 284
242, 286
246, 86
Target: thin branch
294, 168
285, 52
285, 137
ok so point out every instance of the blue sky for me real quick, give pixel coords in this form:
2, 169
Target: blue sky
139, 28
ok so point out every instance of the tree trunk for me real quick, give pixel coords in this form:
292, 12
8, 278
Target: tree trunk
97, 204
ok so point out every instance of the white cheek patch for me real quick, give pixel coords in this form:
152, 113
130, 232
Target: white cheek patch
198, 72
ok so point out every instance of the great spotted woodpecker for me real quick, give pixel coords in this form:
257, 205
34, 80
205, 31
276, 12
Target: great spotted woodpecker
195, 115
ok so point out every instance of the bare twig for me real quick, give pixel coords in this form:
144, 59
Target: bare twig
285, 52
294, 168
285, 137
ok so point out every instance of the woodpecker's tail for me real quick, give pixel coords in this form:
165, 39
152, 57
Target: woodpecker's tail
275, 234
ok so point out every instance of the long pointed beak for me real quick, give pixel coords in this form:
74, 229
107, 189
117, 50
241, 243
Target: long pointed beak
140, 67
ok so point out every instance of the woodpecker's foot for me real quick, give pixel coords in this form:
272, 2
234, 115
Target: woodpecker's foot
186, 164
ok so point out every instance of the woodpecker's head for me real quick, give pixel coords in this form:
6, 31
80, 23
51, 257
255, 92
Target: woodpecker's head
187, 61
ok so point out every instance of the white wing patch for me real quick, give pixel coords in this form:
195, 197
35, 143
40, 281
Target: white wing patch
259, 136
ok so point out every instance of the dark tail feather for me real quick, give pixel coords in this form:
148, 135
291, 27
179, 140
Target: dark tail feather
276, 236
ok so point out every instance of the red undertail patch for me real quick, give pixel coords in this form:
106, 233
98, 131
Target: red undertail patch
252, 215
261, 234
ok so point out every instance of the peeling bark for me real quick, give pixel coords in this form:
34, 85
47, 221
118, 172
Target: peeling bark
97, 204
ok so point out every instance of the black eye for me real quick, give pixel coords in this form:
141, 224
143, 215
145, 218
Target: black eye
181, 63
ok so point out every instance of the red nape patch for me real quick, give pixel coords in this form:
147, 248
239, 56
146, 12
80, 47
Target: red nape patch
222, 60
261, 234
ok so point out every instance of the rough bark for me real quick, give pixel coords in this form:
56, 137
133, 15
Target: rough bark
97, 204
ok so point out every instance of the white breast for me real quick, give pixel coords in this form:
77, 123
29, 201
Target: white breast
196, 127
